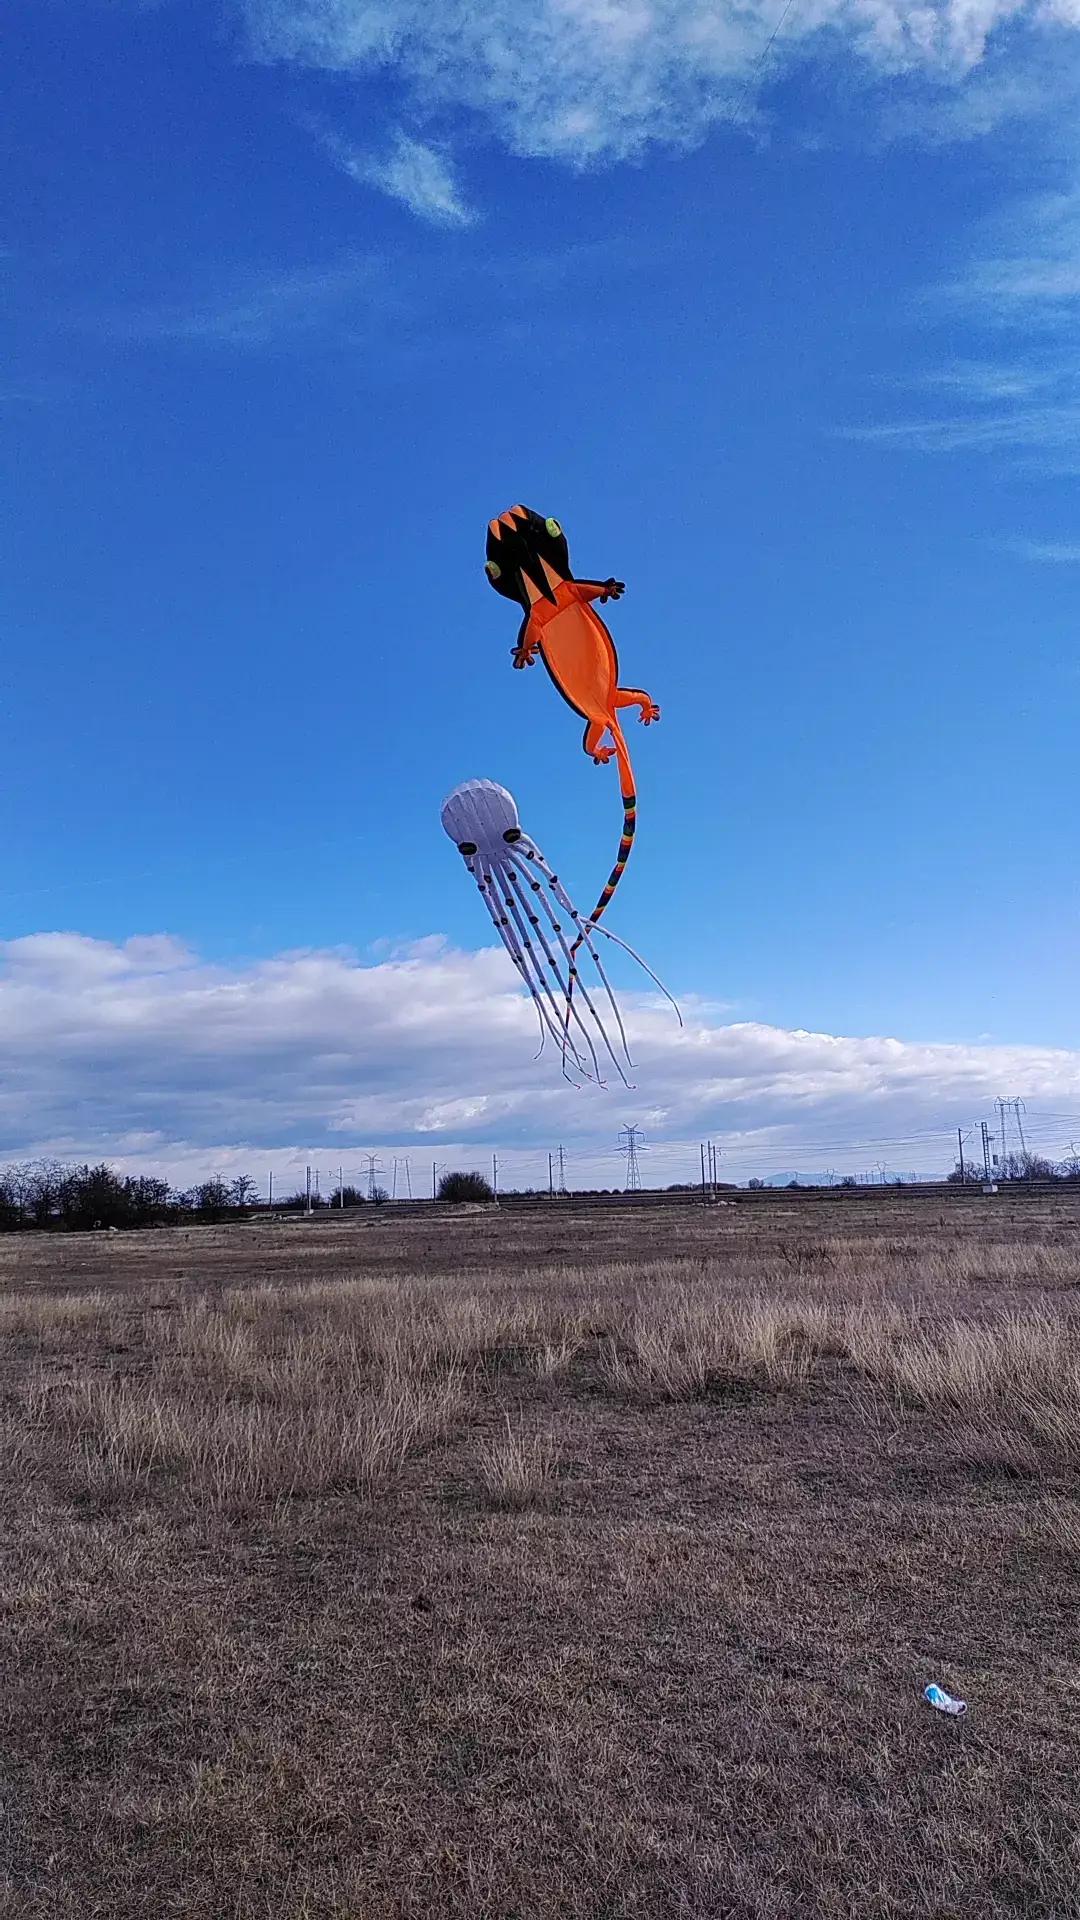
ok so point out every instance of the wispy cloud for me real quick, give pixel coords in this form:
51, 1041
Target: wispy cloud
1019, 296
146, 1052
418, 175
592, 80
1054, 553
387, 320
257, 305
1048, 435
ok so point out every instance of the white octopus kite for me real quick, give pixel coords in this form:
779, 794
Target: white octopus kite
523, 896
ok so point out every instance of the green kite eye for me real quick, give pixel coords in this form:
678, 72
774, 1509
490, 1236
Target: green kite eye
492, 569
553, 528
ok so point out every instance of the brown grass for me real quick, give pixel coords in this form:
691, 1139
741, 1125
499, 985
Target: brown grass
346, 1583
517, 1468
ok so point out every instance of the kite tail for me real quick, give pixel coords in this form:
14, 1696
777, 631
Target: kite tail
629, 800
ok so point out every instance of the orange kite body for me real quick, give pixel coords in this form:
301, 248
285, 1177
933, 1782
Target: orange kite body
580, 656
528, 561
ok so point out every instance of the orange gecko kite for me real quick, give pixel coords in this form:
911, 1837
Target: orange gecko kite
528, 561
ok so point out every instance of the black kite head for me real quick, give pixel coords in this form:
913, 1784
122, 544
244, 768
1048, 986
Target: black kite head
523, 549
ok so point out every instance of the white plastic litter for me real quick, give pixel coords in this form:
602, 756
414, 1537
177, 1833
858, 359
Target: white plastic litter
943, 1701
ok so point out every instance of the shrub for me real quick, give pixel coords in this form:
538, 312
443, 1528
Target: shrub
458, 1187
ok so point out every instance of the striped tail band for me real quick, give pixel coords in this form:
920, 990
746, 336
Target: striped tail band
625, 844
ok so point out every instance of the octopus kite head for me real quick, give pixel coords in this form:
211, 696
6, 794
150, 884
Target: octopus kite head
481, 818
521, 542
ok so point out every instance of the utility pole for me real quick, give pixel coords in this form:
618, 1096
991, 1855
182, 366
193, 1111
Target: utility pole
270, 1188
1003, 1108
341, 1186
960, 1149
495, 1175
307, 1189
408, 1177
1019, 1107
393, 1184
704, 1193
551, 1178
434, 1175
562, 1171
631, 1150
986, 1150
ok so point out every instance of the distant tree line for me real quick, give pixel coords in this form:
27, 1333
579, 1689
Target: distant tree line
1017, 1166
46, 1194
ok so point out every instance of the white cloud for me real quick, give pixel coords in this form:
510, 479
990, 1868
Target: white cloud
257, 305
1020, 295
588, 80
411, 171
1055, 553
149, 1055
1028, 272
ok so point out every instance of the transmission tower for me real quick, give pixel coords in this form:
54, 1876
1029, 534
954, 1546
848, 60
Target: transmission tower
632, 1145
1017, 1108
373, 1169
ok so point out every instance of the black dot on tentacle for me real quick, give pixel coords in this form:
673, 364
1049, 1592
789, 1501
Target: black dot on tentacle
535, 885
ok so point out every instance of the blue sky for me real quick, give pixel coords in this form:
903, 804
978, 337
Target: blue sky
299, 293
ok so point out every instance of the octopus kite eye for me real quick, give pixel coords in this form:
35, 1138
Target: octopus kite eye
492, 569
512, 834
466, 847
553, 528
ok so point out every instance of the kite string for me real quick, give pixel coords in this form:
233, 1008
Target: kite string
565, 987
755, 71
500, 884
506, 935
585, 929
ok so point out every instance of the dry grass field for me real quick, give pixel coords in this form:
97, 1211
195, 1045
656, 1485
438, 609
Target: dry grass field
545, 1564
